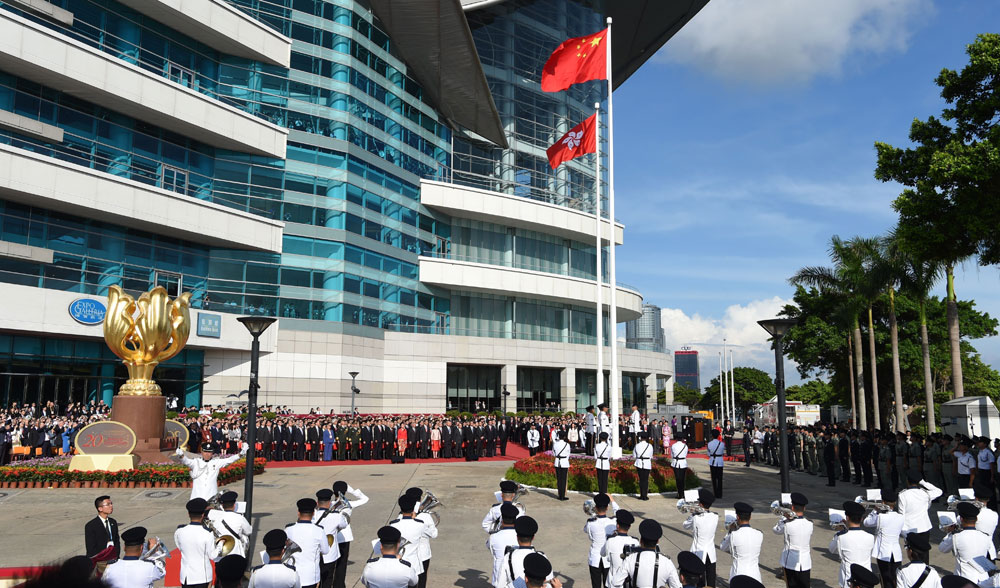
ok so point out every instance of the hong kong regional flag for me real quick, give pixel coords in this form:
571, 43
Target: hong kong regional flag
580, 140
577, 60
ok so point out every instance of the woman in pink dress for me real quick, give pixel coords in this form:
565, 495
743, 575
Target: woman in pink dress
436, 439
666, 437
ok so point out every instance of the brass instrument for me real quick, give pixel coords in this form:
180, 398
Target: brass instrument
782, 510
428, 504
228, 541
689, 508
589, 508
401, 548
954, 501
732, 526
291, 548
870, 505
155, 554
215, 502
342, 506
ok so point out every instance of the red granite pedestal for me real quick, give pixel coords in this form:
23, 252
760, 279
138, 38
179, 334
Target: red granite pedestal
145, 416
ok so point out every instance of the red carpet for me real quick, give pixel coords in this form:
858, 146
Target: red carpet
514, 453
173, 565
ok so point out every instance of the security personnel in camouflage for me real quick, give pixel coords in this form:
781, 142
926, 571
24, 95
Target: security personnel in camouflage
884, 464
341, 438
902, 449
820, 448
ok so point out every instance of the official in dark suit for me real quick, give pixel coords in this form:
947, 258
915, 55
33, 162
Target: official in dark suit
458, 437
366, 442
313, 437
844, 449
299, 441
504, 433
102, 531
278, 433
446, 440
266, 437
491, 439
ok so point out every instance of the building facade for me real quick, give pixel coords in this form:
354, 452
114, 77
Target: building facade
686, 368
300, 159
646, 332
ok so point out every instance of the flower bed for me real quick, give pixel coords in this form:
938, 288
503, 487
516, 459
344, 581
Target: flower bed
152, 475
539, 471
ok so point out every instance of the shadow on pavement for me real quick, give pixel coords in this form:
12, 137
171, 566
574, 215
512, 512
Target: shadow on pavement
472, 579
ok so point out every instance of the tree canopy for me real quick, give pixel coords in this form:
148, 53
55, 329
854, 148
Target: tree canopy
753, 386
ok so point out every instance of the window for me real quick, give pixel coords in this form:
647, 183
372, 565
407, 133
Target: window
173, 179
171, 282
181, 75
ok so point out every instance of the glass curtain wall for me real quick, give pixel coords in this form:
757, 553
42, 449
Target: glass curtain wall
474, 388
538, 389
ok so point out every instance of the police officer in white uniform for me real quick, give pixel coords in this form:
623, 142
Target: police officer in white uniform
312, 539
647, 567
274, 574
590, 427
703, 526
332, 523
346, 535
130, 571
690, 569
635, 424
537, 571
852, 545
598, 528
643, 454
415, 530
914, 502
205, 469
512, 568
388, 571
424, 545
970, 546
197, 545
616, 544
716, 451
743, 542
602, 462
795, 557
987, 519
508, 490
603, 420
888, 527
678, 461
232, 523
533, 438
502, 538
917, 574
560, 455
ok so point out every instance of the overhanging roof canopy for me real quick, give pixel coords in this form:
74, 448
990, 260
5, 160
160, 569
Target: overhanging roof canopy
435, 39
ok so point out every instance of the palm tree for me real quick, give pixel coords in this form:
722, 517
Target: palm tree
871, 284
845, 279
893, 262
953, 331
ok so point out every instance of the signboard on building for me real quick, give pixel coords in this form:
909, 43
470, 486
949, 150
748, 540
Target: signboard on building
105, 438
87, 311
209, 325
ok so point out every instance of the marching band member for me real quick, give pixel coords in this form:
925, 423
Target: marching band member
615, 544
508, 490
602, 463
862, 577
130, 571
703, 526
917, 573
346, 535
414, 530
598, 528
914, 502
332, 523
560, 453
424, 545
678, 461
970, 546
888, 526
230, 570
502, 538
197, 545
987, 519
643, 454
232, 521
274, 574
512, 568
795, 557
537, 571
205, 470
852, 546
745, 582
389, 571
312, 539
691, 569
743, 542
640, 568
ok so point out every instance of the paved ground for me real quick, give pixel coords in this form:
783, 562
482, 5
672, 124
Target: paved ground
47, 525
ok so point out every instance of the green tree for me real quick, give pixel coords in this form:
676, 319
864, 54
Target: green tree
949, 208
751, 386
813, 392
685, 395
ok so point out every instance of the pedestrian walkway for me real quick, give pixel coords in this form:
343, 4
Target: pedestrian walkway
514, 453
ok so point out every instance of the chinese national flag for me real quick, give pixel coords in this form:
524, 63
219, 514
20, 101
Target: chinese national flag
577, 60
580, 140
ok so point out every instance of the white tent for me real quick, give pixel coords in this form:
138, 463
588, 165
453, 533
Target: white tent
972, 416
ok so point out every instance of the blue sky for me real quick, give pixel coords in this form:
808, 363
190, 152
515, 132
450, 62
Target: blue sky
747, 141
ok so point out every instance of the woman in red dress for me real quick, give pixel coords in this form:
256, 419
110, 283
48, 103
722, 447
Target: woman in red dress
401, 439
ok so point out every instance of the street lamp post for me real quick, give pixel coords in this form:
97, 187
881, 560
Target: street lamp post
505, 395
778, 328
354, 389
256, 325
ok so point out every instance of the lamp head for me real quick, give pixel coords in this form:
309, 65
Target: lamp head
256, 324
778, 327
353, 374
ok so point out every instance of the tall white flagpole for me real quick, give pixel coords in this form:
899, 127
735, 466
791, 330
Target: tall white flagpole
722, 388
732, 388
615, 379
598, 282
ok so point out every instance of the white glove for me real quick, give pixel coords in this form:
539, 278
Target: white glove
245, 447
179, 452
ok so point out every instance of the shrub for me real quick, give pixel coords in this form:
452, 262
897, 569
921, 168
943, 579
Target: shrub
171, 414
539, 471
269, 416
570, 413
521, 414
219, 415
193, 414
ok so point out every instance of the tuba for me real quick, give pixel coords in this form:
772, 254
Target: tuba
342, 506
155, 554
291, 548
228, 541
589, 508
215, 502
428, 504
689, 508
782, 511
954, 501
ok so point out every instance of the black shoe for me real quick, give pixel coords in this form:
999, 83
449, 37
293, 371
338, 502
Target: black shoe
831, 484
564, 498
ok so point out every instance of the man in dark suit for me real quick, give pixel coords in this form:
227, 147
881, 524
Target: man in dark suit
504, 433
266, 438
279, 441
377, 440
313, 437
101, 532
366, 441
491, 438
458, 437
446, 440
844, 453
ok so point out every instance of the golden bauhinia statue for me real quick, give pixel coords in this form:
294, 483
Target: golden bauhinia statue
145, 332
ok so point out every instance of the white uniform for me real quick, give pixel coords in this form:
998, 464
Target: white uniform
560, 451
590, 427
388, 572
716, 450
643, 455
512, 567
597, 530
332, 524
744, 545
132, 572
198, 551
966, 463
498, 544
416, 531
274, 575
312, 539
635, 422
613, 548
987, 523
971, 550
602, 456
703, 527
238, 527
358, 498
798, 533
678, 455
494, 513
853, 546
533, 437
913, 504
908, 575
649, 560
205, 474
603, 424
888, 526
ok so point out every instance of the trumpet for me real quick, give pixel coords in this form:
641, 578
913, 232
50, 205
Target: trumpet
782, 511
954, 501
291, 548
428, 504
838, 524
228, 541
870, 505
689, 508
155, 554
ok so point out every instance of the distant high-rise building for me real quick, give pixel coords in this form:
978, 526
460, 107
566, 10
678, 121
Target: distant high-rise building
686, 370
645, 332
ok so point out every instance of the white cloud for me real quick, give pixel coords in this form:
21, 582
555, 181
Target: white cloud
738, 326
765, 41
